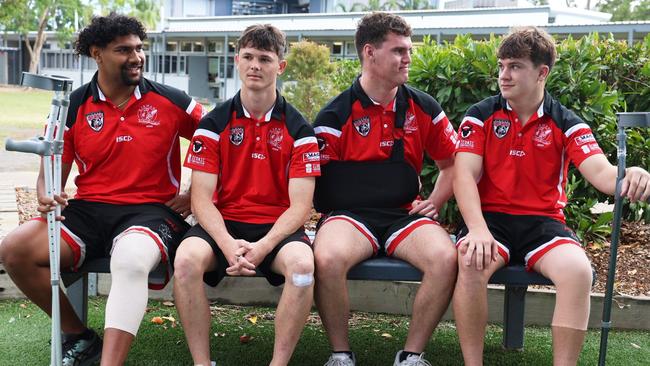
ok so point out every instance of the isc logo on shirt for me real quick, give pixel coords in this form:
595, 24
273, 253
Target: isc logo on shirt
258, 156
125, 138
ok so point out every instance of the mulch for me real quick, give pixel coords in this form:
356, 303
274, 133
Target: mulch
632, 268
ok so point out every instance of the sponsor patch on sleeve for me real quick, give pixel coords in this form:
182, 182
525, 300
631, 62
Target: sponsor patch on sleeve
310, 156
584, 139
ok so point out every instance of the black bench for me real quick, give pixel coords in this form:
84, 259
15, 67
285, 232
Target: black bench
515, 279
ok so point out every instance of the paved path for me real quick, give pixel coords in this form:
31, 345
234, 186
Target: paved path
8, 209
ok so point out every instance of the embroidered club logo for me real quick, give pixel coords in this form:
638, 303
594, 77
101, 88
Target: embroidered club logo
275, 138
501, 127
236, 135
95, 120
362, 125
410, 124
542, 136
147, 115
197, 146
164, 232
466, 131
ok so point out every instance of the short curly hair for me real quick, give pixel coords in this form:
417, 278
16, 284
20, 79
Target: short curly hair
103, 30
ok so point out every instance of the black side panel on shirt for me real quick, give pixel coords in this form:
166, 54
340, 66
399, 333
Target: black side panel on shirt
563, 117
77, 98
485, 108
297, 125
426, 102
218, 118
336, 113
176, 96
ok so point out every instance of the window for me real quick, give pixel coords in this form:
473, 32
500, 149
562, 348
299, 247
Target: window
337, 48
215, 47
198, 46
171, 46
186, 46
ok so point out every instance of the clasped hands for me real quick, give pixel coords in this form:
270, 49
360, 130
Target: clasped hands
245, 258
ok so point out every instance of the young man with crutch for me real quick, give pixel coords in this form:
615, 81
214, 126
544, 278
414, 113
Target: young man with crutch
246, 224
512, 160
122, 132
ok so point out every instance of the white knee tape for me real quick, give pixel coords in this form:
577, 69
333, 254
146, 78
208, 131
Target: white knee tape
302, 280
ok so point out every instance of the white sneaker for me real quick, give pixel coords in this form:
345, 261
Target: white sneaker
411, 360
341, 359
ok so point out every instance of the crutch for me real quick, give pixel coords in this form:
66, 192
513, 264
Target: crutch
625, 120
50, 147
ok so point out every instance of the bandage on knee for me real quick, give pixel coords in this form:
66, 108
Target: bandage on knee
133, 257
302, 279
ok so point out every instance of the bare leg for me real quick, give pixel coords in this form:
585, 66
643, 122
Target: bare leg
470, 308
193, 259
569, 269
296, 262
429, 249
25, 255
338, 247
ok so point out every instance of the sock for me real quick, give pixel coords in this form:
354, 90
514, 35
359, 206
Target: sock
404, 355
349, 353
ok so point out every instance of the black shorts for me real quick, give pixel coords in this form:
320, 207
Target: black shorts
524, 239
385, 229
251, 233
92, 228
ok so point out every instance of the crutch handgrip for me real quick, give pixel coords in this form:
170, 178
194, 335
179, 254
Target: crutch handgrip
36, 146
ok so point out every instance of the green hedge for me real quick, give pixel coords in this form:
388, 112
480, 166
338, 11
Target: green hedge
594, 76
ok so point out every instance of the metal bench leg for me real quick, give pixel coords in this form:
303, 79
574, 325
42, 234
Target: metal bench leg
513, 317
77, 293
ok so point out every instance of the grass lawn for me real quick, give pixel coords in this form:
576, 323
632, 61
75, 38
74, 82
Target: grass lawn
23, 111
25, 332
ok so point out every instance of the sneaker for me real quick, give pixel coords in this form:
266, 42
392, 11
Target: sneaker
411, 360
341, 359
78, 351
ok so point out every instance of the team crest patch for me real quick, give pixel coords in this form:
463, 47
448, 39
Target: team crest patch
236, 135
95, 120
275, 137
466, 131
410, 125
542, 136
197, 146
501, 127
147, 115
362, 125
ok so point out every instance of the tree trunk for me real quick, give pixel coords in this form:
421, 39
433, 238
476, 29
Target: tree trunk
35, 52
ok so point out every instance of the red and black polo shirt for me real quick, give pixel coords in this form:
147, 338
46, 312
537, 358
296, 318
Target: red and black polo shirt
128, 156
352, 127
525, 168
254, 158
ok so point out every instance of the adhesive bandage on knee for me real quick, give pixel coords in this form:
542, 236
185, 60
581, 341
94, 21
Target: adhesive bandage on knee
134, 256
302, 279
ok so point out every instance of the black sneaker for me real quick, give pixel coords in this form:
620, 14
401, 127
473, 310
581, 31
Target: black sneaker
82, 349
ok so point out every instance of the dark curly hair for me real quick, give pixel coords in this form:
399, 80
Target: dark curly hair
103, 30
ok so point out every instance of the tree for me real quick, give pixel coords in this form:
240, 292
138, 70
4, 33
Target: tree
147, 11
623, 9
24, 16
416, 5
308, 85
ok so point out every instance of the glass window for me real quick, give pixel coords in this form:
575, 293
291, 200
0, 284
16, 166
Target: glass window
198, 46
146, 45
232, 46
212, 46
337, 48
171, 46
181, 65
186, 46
